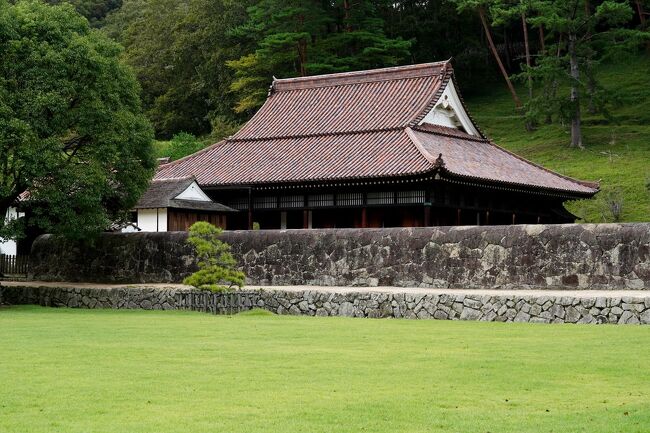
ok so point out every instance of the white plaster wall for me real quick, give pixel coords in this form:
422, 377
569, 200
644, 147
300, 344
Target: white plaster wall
10, 247
439, 114
193, 192
152, 220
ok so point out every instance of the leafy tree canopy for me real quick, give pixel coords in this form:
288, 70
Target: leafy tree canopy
72, 134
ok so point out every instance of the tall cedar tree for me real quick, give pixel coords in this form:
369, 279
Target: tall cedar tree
585, 33
72, 133
298, 38
482, 8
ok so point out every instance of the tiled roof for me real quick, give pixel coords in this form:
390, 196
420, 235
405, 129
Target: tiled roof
465, 155
348, 102
357, 125
339, 156
162, 193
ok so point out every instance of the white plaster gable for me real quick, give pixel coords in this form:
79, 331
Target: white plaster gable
193, 192
449, 112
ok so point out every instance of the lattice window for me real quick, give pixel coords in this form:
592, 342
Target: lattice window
349, 199
265, 202
381, 198
318, 200
407, 197
239, 203
292, 201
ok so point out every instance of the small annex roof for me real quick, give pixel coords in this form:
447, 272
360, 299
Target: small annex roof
163, 193
360, 125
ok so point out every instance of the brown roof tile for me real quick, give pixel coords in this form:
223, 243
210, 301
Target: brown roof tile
465, 155
348, 102
296, 159
357, 125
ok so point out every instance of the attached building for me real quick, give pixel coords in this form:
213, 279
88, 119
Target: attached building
176, 204
379, 148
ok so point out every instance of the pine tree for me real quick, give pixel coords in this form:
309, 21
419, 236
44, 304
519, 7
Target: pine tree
585, 35
299, 38
217, 267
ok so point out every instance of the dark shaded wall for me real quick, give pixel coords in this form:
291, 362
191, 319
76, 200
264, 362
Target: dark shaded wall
605, 256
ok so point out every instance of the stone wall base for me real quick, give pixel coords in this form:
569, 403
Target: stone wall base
446, 305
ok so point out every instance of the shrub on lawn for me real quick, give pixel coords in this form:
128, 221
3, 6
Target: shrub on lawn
217, 271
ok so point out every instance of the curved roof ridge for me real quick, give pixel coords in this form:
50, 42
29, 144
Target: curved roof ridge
362, 76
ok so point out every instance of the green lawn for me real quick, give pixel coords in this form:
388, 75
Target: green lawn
616, 153
86, 371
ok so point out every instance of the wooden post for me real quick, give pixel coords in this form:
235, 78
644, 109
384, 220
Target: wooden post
514, 218
250, 209
487, 217
305, 219
458, 217
427, 215
364, 218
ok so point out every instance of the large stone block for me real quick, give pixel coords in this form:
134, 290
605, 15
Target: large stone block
580, 256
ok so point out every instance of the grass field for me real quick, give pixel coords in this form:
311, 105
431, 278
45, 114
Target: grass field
616, 152
65, 370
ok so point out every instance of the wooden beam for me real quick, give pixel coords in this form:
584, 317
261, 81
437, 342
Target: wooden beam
364, 218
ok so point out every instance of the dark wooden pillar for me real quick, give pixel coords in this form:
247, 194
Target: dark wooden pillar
305, 219
487, 217
458, 217
427, 215
250, 209
514, 218
539, 219
364, 218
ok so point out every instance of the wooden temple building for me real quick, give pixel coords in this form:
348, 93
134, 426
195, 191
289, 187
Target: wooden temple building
379, 148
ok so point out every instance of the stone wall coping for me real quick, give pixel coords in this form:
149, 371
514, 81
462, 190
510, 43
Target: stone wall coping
351, 289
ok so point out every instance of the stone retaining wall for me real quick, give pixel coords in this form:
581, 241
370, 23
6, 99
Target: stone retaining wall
510, 307
583, 256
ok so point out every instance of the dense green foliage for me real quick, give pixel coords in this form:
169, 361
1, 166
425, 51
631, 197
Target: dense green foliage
217, 267
617, 151
183, 144
79, 371
94, 10
298, 38
205, 65
71, 129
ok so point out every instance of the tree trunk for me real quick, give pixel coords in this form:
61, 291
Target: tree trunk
642, 19
542, 41
576, 129
493, 48
527, 48
554, 85
302, 51
641, 12
302, 57
529, 124
346, 16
